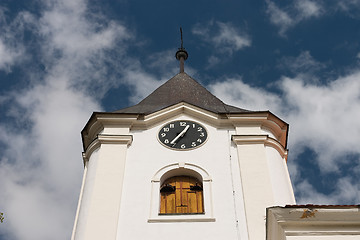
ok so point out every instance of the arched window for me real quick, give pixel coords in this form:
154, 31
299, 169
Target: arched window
181, 195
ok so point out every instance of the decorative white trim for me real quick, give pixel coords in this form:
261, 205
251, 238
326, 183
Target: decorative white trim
115, 139
183, 107
173, 170
105, 139
202, 172
99, 121
312, 221
265, 120
249, 139
256, 139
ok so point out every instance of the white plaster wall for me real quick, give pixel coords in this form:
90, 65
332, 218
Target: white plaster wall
238, 193
249, 130
87, 195
257, 189
99, 211
269, 133
280, 180
264, 177
116, 130
146, 156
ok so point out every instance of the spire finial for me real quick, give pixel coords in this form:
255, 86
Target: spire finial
181, 54
182, 47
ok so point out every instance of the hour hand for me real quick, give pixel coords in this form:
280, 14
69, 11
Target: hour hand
180, 134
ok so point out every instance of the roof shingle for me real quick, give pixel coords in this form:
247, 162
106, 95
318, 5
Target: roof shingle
181, 88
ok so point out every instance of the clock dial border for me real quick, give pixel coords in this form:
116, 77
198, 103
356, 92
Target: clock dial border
178, 131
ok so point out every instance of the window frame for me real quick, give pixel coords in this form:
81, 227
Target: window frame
178, 169
180, 195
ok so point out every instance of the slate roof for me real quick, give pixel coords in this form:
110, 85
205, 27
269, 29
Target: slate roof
181, 88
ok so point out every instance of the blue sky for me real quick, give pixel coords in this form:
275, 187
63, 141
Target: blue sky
62, 60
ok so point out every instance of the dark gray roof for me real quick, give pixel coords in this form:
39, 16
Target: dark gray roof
181, 88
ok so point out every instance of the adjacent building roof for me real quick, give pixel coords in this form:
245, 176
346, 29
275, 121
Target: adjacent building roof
321, 206
181, 88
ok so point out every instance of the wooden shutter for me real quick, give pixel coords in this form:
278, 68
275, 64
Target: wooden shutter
181, 195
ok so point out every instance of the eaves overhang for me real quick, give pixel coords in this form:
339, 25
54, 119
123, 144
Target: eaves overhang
265, 119
98, 120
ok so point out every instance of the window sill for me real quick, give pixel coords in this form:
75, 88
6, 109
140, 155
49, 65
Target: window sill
180, 214
181, 218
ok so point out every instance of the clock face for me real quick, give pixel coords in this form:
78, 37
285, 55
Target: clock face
182, 135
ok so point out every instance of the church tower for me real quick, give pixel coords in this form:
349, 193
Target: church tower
181, 164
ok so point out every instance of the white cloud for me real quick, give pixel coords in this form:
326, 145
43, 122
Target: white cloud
142, 83
229, 37
164, 62
82, 54
74, 34
297, 12
322, 118
304, 63
329, 115
234, 91
12, 50
351, 7
307, 9
279, 17
41, 165
8, 56
213, 61
224, 37
347, 190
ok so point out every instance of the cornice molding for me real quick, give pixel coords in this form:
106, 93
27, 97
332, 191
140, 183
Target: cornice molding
115, 139
263, 119
100, 120
260, 139
106, 139
175, 110
266, 120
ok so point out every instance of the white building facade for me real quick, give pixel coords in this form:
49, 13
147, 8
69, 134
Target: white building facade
182, 164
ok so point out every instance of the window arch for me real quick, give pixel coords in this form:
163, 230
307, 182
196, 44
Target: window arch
167, 172
181, 195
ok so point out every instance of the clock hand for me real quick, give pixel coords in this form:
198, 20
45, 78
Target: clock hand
180, 134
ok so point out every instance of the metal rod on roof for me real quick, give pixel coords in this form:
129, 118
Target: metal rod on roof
181, 54
182, 67
181, 38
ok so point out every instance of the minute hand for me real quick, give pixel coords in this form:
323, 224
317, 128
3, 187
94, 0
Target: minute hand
180, 134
